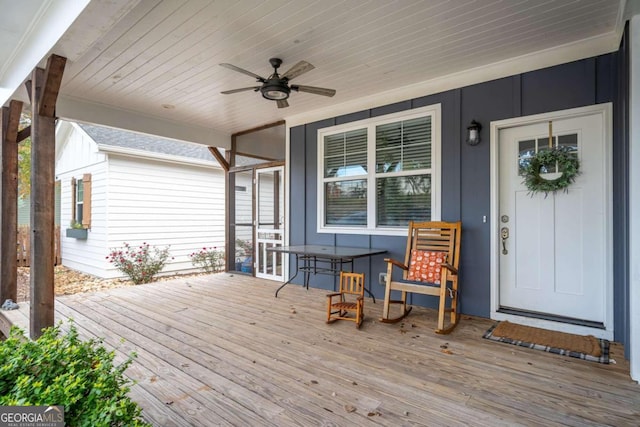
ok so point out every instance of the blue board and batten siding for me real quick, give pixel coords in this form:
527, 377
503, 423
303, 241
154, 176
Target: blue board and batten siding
466, 170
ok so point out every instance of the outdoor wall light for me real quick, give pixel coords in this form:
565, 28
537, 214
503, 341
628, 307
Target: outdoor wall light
473, 133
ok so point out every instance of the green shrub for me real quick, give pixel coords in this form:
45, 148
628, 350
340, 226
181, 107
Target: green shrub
141, 265
209, 259
61, 369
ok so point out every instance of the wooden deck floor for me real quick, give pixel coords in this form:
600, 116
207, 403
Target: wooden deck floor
221, 350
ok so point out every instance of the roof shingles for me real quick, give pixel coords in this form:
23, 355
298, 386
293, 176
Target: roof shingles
132, 140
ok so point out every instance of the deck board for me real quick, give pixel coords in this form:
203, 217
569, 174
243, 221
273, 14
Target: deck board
221, 350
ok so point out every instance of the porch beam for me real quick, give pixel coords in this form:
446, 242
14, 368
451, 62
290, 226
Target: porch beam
219, 157
259, 128
9, 215
75, 110
262, 165
45, 86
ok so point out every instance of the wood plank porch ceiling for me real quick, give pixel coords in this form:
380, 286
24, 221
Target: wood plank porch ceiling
221, 350
160, 58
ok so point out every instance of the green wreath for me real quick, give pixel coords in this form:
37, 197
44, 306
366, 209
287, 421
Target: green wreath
567, 163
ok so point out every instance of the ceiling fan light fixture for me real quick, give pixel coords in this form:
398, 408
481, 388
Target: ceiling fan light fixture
275, 91
276, 87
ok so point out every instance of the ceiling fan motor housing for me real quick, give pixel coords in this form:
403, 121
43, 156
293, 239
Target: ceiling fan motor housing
275, 89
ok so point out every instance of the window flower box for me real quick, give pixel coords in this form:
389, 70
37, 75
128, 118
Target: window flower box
77, 233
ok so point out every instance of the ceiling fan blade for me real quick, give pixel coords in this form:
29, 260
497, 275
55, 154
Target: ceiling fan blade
315, 90
243, 71
282, 103
228, 92
300, 68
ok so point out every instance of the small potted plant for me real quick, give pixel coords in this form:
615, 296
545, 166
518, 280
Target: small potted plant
76, 230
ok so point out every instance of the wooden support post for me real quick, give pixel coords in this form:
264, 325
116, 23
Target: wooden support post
45, 85
9, 215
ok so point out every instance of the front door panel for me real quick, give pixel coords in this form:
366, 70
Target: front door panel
554, 260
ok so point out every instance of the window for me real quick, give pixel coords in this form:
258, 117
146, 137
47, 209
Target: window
81, 200
529, 147
378, 174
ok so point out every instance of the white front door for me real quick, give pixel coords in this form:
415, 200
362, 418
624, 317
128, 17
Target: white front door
554, 250
270, 222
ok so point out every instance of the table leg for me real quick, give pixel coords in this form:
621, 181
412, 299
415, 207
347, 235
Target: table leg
289, 281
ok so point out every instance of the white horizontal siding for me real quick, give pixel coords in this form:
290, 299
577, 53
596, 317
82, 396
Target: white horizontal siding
244, 199
85, 255
165, 204
244, 206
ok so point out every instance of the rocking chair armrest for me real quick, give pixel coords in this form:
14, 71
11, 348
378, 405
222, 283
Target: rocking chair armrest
449, 267
360, 299
335, 294
396, 263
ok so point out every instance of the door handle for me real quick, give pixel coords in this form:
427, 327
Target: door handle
504, 235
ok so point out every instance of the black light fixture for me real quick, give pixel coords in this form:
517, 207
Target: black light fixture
274, 89
473, 133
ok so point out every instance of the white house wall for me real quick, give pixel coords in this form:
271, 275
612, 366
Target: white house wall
75, 150
87, 255
165, 205
77, 156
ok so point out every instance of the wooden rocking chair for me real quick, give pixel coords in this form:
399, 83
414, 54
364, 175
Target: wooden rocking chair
431, 262
351, 299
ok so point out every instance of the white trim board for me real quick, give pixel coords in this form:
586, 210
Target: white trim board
634, 199
606, 110
48, 24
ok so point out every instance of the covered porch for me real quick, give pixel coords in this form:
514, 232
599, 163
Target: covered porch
221, 350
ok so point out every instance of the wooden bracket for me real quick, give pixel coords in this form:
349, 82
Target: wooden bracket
220, 158
11, 116
52, 81
24, 134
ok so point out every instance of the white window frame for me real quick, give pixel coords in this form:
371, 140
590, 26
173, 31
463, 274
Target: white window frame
432, 110
79, 201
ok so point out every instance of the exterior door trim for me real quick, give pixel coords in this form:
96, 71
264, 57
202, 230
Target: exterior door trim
605, 110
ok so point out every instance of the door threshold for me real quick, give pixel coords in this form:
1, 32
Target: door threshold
552, 317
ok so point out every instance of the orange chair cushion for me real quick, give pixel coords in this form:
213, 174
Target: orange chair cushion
425, 266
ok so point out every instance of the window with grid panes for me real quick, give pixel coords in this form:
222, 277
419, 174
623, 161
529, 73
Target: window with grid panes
378, 174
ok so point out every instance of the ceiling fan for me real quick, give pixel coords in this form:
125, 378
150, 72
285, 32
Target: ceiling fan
276, 87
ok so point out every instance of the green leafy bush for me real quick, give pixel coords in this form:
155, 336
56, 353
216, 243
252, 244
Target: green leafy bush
61, 369
141, 265
209, 259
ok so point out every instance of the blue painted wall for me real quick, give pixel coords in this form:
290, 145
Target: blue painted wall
466, 170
